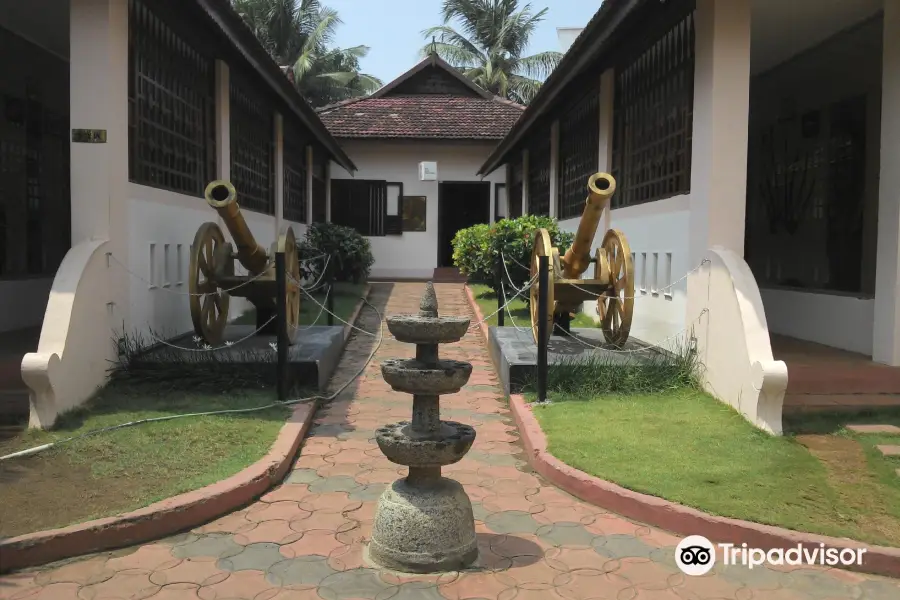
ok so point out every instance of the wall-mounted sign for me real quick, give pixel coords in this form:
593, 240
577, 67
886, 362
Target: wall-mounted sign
427, 171
89, 136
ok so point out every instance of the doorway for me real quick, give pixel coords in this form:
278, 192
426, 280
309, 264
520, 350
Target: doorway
460, 205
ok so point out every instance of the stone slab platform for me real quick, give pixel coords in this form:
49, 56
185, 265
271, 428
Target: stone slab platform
311, 360
515, 353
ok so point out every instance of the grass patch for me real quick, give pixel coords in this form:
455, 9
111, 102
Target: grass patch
683, 445
117, 471
487, 302
346, 295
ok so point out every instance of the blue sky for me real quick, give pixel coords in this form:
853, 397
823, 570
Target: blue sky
392, 28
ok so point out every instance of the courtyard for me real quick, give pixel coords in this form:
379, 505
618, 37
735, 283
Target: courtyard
305, 539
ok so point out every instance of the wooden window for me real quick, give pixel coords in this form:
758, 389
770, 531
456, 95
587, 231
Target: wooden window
318, 187
500, 201
360, 204
579, 140
414, 213
252, 147
295, 172
539, 174
514, 198
653, 115
171, 117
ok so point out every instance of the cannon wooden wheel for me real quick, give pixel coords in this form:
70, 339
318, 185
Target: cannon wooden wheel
616, 305
542, 247
209, 305
287, 243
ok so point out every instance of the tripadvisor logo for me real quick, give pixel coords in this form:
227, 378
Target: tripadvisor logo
695, 555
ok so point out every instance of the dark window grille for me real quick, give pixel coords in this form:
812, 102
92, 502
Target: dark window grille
360, 204
515, 190
171, 117
295, 170
653, 118
579, 139
319, 204
539, 175
252, 148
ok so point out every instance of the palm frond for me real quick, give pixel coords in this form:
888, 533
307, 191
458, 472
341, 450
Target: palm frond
538, 66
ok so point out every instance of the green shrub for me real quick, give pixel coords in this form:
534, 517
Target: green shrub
477, 249
350, 252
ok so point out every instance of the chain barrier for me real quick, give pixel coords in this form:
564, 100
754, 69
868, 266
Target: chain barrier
644, 348
509, 312
206, 347
322, 306
670, 286
318, 316
315, 286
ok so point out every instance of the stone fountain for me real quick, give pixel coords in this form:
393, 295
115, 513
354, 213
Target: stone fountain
424, 522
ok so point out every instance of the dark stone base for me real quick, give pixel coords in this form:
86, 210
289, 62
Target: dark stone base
311, 360
515, 353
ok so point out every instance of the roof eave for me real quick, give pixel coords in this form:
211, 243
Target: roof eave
233, 26
587, 46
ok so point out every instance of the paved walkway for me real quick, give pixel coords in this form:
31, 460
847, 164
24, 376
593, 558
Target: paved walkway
305, 539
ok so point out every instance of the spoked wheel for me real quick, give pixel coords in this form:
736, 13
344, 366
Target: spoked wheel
542, 247
209, 305
616, 306
287, 243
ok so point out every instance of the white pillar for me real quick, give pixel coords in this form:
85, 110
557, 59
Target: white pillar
554, 168
525, 206
99, 171
492, 195
328, 192
223, 121
886, 338
279, 173
309, 185
721, 109
604, 153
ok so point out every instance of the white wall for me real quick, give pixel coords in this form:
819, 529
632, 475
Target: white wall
659, 228
414, 254
161, 218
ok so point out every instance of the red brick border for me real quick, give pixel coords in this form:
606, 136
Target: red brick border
683, 520
174, 514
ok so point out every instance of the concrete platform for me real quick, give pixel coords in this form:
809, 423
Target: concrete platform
515, 353
311, 360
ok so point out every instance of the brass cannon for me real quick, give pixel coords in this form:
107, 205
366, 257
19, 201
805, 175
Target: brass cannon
212, 280
613, 282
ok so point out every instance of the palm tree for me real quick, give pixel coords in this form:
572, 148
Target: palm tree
488, 43
298, 35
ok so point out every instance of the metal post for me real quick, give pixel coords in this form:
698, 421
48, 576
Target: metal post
501, 297
543, 282
281, 320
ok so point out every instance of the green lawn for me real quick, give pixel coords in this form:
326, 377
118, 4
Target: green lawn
346, 295
687, 447
487, 302
126, 469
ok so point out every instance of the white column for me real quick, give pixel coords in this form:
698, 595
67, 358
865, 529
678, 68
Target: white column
721, 109
223, 121
492, 196
309, 185
604, 154
554, 168
886, 338
525, 206
279, 173
328, 192
99, 171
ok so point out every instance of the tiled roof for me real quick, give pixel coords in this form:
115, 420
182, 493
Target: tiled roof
422, 117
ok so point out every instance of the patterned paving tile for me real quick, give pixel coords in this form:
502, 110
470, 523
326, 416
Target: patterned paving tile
305, 540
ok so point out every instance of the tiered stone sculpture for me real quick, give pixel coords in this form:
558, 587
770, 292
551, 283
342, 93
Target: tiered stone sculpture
424, 522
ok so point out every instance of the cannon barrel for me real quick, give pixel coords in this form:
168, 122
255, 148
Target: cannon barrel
222, 196
601, 187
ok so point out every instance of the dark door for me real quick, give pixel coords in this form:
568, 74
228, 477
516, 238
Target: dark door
460, 205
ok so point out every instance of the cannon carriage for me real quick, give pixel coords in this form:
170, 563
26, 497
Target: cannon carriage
212, 280
612, 285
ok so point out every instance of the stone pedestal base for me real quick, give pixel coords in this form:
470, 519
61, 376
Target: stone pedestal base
427, 527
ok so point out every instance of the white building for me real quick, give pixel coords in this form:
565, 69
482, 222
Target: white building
115, 115
770, 129
418, 143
